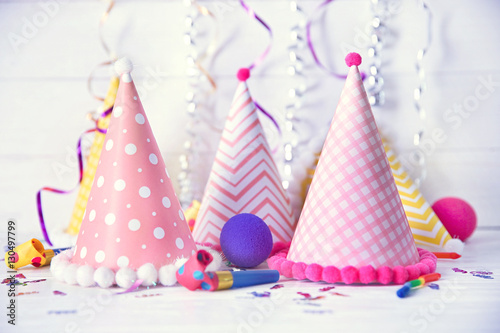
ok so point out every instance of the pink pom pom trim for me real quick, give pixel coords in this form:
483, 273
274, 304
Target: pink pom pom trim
353, 59
243, 74
351, 274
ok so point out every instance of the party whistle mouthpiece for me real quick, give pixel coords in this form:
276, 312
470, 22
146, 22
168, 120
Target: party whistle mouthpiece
192, 275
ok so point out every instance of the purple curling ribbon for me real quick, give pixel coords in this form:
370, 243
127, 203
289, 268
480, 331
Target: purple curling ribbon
311, 46
80, 167
260, 58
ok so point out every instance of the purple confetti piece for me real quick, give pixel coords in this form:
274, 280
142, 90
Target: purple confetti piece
257, 294
277, 286
489, 277
481, 273
434, 286
36, 281
57, 292
327, 288
458, 270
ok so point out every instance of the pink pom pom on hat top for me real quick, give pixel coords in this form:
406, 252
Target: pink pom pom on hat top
243, 74
351, 230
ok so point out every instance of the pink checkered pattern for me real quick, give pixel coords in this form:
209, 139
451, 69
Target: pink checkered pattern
353, 213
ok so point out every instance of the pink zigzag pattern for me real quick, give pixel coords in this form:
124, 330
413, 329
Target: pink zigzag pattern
244, 178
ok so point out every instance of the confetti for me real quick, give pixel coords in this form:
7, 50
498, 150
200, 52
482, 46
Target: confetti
458, 270
489, 277
59, 312
481, 273
277, 286
21, 276
28, 293
321, 312
147, 295
327, 288
35, 281
264, 294
306, 295
57, 292
339, 294
434, 286
15, 282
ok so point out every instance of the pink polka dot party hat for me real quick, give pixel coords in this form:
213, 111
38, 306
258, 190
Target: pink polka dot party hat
244, 177
133, 228
353, 228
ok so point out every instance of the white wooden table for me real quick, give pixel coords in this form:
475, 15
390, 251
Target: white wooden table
463, 303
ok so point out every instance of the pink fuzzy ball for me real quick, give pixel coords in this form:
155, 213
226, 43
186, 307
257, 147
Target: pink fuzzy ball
331, 274
313, 272
243, 74
385, 274
299, 270
353, 59
367, 274
400, 275
349, 274
458, 217
286, 268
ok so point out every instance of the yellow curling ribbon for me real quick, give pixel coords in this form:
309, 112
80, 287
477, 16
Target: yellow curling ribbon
93, 160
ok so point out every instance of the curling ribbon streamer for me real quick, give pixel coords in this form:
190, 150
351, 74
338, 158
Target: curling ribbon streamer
111, 56
260, 58
311, 46
80, 167
132, 288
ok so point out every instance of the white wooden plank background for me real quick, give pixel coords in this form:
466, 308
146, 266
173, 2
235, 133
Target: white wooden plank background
44, 100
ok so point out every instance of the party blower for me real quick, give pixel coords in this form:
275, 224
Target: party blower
192, 275
31, 252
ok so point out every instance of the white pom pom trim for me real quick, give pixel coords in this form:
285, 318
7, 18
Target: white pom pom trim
86, 276
454, 245
104, 277
148, 274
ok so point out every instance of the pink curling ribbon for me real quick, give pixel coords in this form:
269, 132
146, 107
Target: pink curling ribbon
80, 166
311, 46
260, 58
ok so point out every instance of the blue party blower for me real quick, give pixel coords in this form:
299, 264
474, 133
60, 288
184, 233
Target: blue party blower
192, 275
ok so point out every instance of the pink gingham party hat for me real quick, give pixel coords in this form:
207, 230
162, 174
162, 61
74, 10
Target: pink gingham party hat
353, 227
244, 177
133, 225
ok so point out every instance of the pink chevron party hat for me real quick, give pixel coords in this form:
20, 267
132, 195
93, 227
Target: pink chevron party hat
133, 228
244, 177
353, 228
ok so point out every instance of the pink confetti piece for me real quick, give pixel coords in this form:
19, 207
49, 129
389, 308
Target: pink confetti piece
21, 276
57, 292
306, 295
277, 286
327, 288
36, 281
